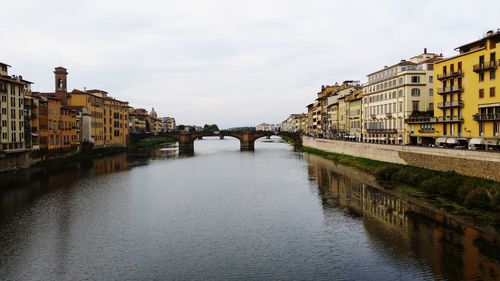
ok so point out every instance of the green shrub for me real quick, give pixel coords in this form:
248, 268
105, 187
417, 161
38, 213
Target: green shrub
450, 185
465, 188
479, 198
386, 173
495, 201
431, 185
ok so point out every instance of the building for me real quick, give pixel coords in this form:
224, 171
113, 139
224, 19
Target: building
266, 127
12, 116
466, 107
294, 123
168, 124
137, 120
395, 93
108, 117
115, 119
354, 116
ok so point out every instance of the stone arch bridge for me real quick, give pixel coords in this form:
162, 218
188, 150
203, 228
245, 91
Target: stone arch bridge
247, 138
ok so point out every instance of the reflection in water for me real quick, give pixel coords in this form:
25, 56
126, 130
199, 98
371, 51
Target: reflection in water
402, 226
223, 214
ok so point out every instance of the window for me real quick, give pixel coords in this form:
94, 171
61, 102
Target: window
415, 79
431, 107
492, 91
400, 81
481, 77
496, 125
431, 79
415, 106
415, 92
492, 74
481, 128
481, 93
431, 92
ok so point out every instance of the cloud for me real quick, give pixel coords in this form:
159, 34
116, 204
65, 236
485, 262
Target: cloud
225, 61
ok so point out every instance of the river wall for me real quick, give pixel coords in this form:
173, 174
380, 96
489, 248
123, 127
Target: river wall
14, 161
466, 162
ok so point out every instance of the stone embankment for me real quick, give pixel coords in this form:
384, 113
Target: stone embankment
466, 162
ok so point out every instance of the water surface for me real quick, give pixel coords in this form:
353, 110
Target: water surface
221, 214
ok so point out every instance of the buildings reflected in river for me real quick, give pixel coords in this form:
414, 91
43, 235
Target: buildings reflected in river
448, 248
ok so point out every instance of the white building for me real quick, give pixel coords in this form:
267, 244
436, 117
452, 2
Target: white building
395, 93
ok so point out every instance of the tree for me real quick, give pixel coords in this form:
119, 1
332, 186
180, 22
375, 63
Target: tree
210, 128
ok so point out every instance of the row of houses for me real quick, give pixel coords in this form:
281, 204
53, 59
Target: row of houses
424, 100
66, 121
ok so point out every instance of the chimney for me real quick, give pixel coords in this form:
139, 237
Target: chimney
425, 50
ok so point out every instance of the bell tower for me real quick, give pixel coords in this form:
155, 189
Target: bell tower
61, 82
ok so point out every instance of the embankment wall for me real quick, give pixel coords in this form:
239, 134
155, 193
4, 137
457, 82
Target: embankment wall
471, 163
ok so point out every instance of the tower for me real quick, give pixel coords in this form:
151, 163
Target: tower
61, 79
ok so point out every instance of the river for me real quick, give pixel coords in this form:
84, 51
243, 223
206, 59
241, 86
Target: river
271, 214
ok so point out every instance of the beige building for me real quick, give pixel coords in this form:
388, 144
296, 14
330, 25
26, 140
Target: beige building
354, 116
168, 124
294, 123
12, 126
395, 93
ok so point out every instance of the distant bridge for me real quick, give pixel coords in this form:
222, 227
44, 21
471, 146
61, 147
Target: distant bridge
246, 138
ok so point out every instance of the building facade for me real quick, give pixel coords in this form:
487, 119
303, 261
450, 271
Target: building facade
12, 116
467, 105
395, 93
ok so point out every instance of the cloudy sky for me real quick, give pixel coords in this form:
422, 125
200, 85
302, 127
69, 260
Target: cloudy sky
230, 62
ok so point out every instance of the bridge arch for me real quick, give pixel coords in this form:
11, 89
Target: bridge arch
246, 138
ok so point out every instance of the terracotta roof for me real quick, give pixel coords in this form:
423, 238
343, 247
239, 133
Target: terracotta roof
432, 60
1, 63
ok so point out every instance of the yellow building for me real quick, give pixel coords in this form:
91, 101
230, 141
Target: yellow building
95, 107
115, 119
466, 107
343, 125
354, 116
137, 120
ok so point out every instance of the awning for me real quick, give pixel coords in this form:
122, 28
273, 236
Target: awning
441, 140
476, 141
452, 140
34, 134
489, 105
383, 138
391, 139
491, 141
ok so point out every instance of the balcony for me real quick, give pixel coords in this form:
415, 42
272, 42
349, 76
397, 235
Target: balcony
449, 90
449, 104
485, 66
426, 130
382, 131
486, 117
420, 120
453, 74
449, 119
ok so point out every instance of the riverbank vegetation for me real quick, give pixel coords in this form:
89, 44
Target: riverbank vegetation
455, 193
90, 154
154, 141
